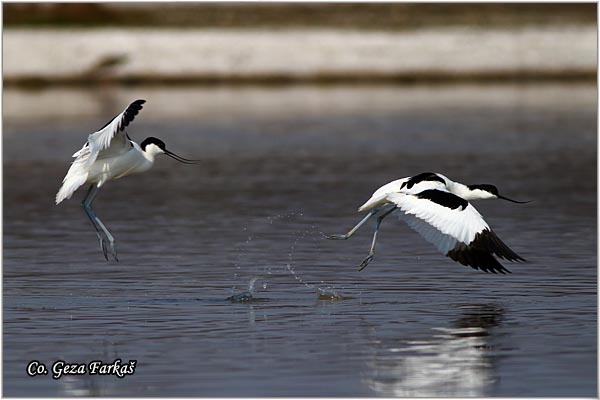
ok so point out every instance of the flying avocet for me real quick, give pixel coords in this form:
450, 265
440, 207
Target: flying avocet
110, 154
439, 210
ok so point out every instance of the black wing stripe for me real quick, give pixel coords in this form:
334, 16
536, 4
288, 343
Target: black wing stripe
130, 113
445, 199
425, 176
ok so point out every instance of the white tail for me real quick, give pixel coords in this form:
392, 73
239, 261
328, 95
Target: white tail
76, 176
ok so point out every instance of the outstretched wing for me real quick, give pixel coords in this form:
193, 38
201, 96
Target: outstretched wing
112, 134
110, 140
454, 227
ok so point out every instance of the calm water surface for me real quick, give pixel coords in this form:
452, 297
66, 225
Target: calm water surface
282, 167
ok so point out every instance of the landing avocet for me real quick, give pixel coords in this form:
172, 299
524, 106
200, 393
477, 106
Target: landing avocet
110, 154
439, 210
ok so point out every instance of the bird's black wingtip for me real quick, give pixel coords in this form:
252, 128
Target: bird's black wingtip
136, 105
494, 269
129, 114
477, 258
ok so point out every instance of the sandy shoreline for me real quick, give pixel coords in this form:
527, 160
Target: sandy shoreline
83, 56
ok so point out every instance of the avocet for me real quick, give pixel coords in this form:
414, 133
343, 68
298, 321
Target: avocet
110, 154
439, 210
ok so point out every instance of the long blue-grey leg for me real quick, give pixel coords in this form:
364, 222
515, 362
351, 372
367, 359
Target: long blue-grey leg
369, 258
86, 205
111, 239
351, 231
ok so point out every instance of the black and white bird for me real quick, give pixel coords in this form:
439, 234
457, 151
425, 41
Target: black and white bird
110, 154
439, 210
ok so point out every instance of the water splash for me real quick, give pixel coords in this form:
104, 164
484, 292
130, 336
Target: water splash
323, 292
311, 235
245, 296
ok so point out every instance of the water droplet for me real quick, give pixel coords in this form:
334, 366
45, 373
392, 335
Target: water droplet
251, 284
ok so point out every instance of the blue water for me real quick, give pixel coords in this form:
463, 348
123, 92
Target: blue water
281, 168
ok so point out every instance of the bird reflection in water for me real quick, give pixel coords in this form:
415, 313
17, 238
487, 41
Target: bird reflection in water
453, 362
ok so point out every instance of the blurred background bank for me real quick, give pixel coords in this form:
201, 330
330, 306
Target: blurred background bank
150, 43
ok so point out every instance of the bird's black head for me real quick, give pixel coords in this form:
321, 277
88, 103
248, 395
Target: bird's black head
163, 149
152, 140
492, 190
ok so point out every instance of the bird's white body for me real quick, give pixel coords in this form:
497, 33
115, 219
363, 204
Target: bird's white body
131, 161
439, 209
399, 186
112, 163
